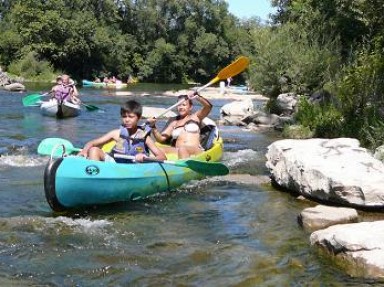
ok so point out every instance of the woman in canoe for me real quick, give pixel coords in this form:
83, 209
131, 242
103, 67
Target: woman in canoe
65, 90
184, 129
130, 139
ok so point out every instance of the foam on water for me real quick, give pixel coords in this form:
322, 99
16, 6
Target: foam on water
38, 223
22, 160
234, 159
80, 224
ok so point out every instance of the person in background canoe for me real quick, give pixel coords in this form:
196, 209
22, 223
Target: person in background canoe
130, 79
59, 81
130, 139
184, 129
229, 80
65, 90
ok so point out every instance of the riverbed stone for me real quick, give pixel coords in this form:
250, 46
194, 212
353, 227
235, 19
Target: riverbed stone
322, 216
237, 108
360, 245
329, 170
262, 118
15, 87
287, 103
4, 79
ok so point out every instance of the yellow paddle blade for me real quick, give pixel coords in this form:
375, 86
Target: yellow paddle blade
233, 69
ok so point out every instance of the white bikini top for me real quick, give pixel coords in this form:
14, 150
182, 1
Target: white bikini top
190, 126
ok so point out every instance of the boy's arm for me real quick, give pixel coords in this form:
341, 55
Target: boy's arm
98, 142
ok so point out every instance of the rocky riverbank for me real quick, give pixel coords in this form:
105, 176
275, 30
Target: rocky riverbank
343, 178
209, 93
9, 84
346, 179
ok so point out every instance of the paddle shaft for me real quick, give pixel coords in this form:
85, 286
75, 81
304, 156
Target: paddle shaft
231, 70
90, 107
146, 159
202, 167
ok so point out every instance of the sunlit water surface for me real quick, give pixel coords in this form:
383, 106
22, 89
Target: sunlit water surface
213, 232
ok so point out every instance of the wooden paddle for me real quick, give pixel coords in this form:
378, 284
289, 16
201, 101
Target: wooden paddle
55, 145
203, 167
231, 70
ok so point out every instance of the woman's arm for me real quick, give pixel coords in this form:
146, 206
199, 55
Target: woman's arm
163, 136
205, 110
157, 152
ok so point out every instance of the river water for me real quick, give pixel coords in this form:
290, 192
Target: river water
213, 232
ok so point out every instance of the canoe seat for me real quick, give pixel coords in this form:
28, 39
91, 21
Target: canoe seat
208, 133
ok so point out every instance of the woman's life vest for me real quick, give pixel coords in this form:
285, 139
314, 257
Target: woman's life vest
62, 93
131, 144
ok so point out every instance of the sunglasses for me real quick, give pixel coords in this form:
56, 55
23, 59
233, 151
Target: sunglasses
182, 97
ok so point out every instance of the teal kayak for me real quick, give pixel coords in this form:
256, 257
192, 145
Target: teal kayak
74, 182
87, 83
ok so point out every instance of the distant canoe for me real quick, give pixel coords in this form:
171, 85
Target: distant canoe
51, 108
238, 89
87, 83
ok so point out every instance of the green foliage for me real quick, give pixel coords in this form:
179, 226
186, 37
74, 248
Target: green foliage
324, 120
374, 135
328, 19
360, 88
297, 132
31, 69
288, 59
156, 40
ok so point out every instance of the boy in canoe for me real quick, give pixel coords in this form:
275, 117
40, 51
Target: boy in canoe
131, 140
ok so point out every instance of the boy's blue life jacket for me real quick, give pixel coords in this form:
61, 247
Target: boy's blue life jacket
131, 145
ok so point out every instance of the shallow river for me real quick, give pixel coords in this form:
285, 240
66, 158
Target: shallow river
214, 232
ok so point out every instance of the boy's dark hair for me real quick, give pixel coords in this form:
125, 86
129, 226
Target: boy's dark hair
132, 106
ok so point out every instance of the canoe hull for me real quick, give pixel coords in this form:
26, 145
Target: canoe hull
51, 109
74, 182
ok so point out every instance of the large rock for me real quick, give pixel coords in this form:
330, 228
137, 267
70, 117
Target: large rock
359, 244
15, 87
237, 108
262, 118
4, 78
331, 170
287, 103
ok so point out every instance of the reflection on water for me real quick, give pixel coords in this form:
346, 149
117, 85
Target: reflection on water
212, 232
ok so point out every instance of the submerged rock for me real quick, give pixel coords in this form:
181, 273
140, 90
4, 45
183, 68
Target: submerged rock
321, 216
